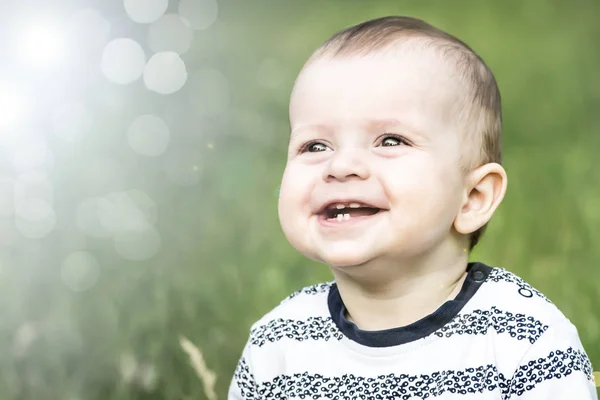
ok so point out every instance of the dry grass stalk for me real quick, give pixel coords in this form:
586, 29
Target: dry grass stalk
207, 376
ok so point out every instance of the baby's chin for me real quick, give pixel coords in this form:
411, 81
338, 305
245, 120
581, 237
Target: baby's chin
336, 255
344, 255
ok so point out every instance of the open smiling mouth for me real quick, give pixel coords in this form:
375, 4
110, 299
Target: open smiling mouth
346, 215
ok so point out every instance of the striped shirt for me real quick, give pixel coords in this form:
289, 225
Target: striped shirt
500, 338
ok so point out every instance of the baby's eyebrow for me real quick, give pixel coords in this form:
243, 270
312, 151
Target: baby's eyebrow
382, 123
367, 124
319, 128
405, 127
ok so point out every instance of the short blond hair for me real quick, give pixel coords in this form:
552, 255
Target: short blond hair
481, 110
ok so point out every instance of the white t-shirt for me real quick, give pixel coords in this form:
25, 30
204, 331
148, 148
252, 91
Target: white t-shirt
498, 339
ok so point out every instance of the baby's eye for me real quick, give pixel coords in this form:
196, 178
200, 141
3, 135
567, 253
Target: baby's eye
396, 138
313, 145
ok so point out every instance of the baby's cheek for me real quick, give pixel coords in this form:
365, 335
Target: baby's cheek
291, 186
294, 194
428, 194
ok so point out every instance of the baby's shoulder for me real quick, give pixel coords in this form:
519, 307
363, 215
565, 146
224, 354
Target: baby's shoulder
508, 292
306, 302
302, 311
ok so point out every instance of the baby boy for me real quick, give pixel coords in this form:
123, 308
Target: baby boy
393, 171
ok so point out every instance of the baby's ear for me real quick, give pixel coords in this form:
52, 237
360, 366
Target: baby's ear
485, 189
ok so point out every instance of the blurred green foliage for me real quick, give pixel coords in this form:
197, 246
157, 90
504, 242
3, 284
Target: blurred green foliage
224, 261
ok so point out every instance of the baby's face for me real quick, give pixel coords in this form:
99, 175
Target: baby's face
383, 134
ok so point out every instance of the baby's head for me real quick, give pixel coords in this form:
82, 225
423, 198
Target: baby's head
401, 117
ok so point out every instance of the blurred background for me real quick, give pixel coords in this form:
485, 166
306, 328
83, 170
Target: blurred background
141, 147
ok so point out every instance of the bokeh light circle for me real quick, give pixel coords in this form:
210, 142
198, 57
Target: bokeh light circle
122, 214
80, 271
145, 11
165, 73
117, 213
170, 33
145, 204
123, 61
88, 217
201, 14
148, 135
33, 185
34, 218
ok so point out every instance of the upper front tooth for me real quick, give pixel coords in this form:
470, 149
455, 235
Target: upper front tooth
340, 206
354, 205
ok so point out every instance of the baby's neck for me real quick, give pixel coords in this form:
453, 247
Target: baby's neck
402, 299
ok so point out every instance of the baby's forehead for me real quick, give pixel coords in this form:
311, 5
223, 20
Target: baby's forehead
418, 67
402, 80
424, 53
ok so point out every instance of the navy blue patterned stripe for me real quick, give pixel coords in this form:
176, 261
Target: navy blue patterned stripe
522, 287
485, 378
315, 328
391, 386
245, 381
558, 364
310, 290
518, 326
